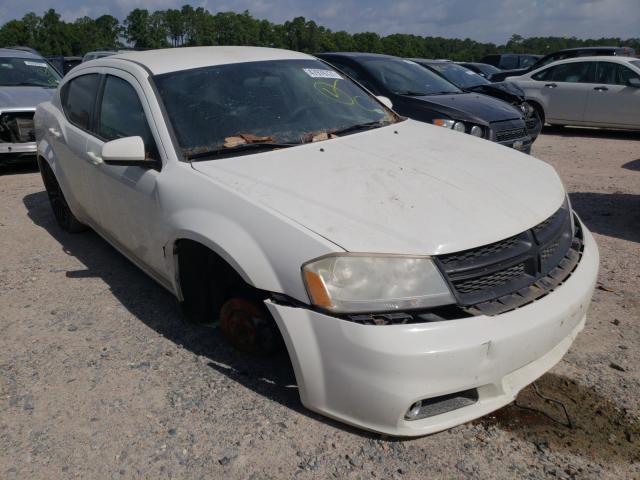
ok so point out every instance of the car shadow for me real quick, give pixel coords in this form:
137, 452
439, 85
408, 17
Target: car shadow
612, 214
632, 165
272, 377
584, 132
18, 167
600, 430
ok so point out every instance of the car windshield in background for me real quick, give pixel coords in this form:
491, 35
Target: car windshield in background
247, 106
636, 63
27, 72
459, 76
404, 77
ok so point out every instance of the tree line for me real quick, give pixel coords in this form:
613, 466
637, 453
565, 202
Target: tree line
190, 26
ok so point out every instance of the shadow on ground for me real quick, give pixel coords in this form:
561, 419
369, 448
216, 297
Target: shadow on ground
633, 165
271, 377
578, 132
612, 214
602, 432
18, 167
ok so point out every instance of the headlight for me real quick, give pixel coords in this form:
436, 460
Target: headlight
476, 131
459, 127
369, 283
527, 109
444, 122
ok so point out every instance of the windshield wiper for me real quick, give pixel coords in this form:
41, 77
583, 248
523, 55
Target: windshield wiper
412, 93
360, 127
29, 84
224, 151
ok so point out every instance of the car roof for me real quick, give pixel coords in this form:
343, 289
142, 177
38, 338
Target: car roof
588, 48
361, 55
429, 60
176, 59
595, 58
16, 53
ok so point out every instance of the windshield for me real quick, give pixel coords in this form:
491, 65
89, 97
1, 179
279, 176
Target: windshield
404, 77
487, 69
29, 72
460, 76
279, 102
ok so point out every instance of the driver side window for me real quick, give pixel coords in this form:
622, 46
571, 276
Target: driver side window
121, 115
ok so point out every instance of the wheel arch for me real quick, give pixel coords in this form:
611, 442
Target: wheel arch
236, 249
539, 110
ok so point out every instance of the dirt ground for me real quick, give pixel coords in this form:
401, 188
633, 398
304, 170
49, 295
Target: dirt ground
100, 379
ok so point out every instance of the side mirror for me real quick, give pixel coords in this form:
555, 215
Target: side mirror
634, 82
125, 151
385, 101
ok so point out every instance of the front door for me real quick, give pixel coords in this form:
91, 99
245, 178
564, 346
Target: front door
129, 213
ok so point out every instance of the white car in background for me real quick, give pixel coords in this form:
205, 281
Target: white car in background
586, 91
418, 278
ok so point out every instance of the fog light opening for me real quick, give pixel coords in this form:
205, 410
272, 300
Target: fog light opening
430, 407
414, 410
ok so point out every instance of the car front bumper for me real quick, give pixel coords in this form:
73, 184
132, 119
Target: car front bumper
17, 149
369, 376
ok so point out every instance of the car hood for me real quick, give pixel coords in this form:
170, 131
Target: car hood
24, 97
407, 188
478, 106
509, 92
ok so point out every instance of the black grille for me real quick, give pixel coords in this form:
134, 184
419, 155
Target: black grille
494, 279
504, 275
511, 134
17, 127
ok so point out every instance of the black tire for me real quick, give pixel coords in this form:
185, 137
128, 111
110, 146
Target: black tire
214, 294
64, 216
540, 112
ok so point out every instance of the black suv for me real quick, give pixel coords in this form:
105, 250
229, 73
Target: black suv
422, 95
510, 61
561, 55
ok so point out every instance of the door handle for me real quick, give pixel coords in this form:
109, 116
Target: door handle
95, 158
601, 89
54, 132
551, 85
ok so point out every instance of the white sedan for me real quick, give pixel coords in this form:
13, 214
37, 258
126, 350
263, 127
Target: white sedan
586, 91
418, 279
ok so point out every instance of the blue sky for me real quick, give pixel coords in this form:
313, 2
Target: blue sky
483, 20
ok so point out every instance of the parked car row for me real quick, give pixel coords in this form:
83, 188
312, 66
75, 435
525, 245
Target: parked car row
417, 277
419, 93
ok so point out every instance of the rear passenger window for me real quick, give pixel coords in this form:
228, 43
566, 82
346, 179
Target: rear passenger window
509, 62
121, 114
78, 98
614, 74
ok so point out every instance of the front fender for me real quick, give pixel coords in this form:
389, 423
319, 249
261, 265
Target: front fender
264, 247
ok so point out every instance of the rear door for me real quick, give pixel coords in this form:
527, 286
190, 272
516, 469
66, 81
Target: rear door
564, 89
612, 101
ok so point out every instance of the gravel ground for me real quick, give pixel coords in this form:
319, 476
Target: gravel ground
100, 379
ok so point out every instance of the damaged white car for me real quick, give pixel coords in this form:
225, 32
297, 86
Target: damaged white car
418, 278
26, 79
